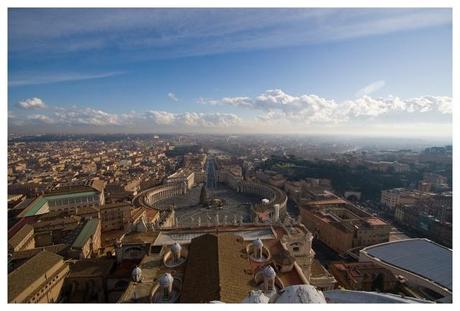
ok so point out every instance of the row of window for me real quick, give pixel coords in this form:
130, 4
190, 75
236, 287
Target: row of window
73, 201
44, 289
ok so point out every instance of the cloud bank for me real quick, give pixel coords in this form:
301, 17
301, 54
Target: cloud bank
308, 109
272, 110
86, 116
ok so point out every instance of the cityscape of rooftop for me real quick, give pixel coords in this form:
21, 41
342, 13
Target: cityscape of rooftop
230, 156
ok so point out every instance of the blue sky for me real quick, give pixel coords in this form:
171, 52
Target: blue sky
238, 70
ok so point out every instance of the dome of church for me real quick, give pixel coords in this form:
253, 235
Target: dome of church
256, 296
257, 243
136, 275
165, 280
269, 272
176, 248
301, 294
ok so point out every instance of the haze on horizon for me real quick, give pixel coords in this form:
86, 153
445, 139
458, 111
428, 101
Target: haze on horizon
358, 72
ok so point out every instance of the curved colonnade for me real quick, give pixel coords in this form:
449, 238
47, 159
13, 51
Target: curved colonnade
272, 194
276, 197
151, 197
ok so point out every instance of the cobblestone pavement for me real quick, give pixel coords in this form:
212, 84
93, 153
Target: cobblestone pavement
235, 209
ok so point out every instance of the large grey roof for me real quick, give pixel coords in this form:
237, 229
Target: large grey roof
420, 256
351, 296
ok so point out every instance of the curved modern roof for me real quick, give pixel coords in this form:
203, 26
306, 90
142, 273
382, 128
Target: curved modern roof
351, 296
419, 256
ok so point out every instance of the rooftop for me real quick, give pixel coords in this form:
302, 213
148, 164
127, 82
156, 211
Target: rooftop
33, 269
69, 195
56, 248
184, 236
140, 237
20, 235
21, 223
38, 203
69, 190
420, 256
34, 207
216, 270
92, 267
115, 205
351, 296
88, 230
152, 267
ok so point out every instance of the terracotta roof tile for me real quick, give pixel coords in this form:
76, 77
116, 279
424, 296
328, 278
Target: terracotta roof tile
217, 269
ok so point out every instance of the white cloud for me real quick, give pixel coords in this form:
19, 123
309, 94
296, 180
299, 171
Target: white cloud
40, 118
444, 104
237, 101
86, 116
32, 103
371, 107
76, 116
371, 88
161, 117
278, 104
172, 96
194, 119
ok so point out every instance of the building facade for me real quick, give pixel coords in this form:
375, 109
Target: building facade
115, 216
342, 226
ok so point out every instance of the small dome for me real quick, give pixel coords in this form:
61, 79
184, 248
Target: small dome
176, 248
301, 294
165, 280
136, 275
256, 296
265, 201
269, 272
257, 243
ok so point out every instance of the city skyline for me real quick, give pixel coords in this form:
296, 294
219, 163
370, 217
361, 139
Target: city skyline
286, 71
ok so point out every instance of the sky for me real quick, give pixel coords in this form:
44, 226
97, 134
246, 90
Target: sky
371, 72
